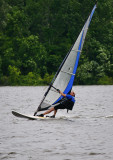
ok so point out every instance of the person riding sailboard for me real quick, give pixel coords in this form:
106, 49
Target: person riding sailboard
67, 102
64, 78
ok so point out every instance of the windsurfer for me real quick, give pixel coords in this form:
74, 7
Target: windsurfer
67, 102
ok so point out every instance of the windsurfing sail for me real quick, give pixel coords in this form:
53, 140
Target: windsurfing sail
65, 75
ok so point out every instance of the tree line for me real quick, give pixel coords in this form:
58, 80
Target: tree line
35, 36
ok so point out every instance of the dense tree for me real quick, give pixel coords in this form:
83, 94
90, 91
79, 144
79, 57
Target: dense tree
35, 36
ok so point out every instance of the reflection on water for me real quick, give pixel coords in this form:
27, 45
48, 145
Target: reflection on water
86, 133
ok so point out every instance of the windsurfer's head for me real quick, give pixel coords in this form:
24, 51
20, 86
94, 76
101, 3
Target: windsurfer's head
72, 93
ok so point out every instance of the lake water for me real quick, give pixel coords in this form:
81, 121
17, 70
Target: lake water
86, 133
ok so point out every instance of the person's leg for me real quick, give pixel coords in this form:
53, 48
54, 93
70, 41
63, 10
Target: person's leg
53, 116
55, 111
49, 111
59, 106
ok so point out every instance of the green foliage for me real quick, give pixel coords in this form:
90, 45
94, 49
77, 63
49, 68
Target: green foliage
47, 79
1, 75
36, 35
31, 79
105, 80
4, 80
4, 7
14, 74
17, 23
86, 73
0, 65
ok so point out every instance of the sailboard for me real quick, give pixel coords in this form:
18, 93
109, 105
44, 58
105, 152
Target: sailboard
27, 116
65, 74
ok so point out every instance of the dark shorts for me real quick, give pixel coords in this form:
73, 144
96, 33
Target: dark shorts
65, 105
60, 106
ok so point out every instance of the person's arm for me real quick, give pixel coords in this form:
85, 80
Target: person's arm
64, 95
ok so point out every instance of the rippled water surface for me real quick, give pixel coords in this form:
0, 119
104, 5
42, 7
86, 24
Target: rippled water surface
86, 133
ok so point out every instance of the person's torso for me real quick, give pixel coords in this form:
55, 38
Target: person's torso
71, 98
